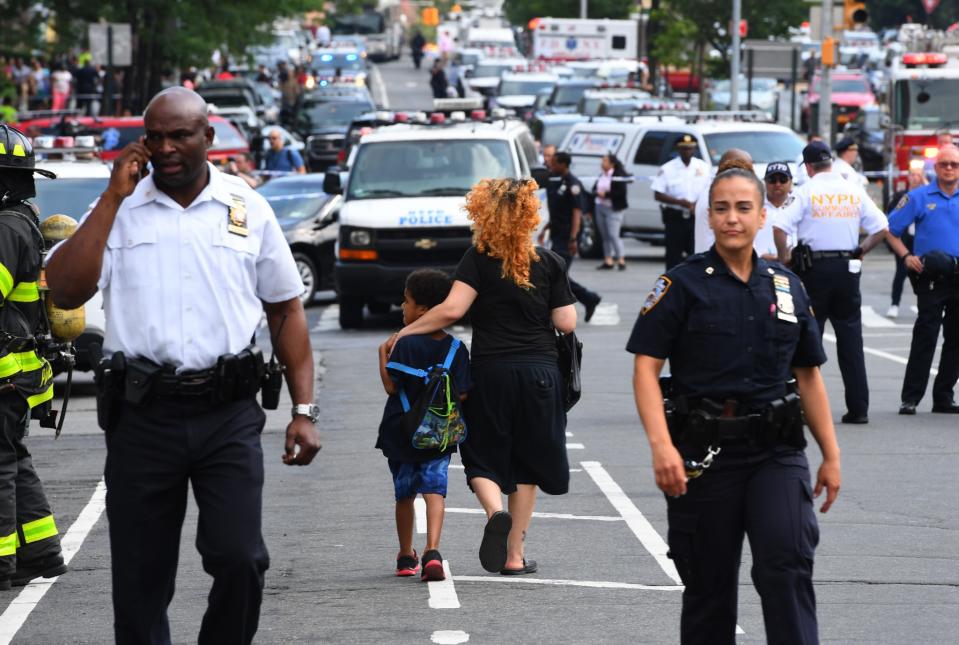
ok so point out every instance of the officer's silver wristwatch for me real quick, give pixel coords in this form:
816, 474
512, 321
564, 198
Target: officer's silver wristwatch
309, 410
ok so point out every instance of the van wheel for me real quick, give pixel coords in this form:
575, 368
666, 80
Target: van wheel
590, 240
351, 312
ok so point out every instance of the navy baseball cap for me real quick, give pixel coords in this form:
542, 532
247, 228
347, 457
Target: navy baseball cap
816, 152
778, 168
845, 143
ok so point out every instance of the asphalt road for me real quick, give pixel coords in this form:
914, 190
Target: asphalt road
887, 568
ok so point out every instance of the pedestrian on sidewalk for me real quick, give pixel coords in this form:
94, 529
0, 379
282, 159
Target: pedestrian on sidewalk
728, 449
418, 471
566, 199
934, 269
517, 296
916, 178
182, 412
611, 205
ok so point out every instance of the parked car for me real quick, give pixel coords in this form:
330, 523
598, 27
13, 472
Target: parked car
323, 121
850, 92
764, 95
309, 219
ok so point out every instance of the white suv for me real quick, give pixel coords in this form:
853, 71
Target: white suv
403, 203
646, 143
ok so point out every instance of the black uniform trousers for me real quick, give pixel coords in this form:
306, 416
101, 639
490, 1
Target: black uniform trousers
937, 306
766, 496
680, 229
152, 454
28, 535
834, 295
583, 295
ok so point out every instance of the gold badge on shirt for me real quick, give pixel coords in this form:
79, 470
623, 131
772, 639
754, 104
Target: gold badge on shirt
237, 217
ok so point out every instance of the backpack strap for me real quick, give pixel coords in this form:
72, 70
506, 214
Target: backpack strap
455, 345
423, 374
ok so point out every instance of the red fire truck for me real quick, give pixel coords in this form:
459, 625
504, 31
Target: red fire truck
923, 95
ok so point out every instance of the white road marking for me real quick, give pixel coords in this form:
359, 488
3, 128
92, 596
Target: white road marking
19, 610
575, 446
449, 637
595, 584
419, 507
914, 309
605, 315
553, 516
442, 592
880, 354
329, 319
636, 521
871, 318
569, 434
412, 84
379, 89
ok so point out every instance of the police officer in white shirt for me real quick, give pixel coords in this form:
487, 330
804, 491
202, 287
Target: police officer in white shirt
704, 237
826, 217
187, 259
779, 188
847, 150
677, 187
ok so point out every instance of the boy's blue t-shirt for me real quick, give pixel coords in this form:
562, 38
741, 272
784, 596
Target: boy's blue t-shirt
419, 351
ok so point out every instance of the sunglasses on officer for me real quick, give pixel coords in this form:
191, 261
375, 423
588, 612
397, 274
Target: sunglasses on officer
777, 179
951, 165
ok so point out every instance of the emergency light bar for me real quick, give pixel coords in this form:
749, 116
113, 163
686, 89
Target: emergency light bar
932, 59
451, 105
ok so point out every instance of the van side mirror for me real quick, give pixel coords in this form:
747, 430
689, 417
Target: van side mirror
540, 176
331, 182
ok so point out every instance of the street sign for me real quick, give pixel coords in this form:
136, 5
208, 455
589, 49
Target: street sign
930, 5
771, 58
99, 35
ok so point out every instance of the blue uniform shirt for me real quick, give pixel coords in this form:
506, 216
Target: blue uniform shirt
726, 339
285, 159
935, 215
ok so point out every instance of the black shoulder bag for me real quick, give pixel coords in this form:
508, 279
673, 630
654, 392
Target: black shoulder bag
570, 351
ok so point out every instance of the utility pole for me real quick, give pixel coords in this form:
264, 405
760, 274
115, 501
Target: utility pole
734, 62
582, 8
825, 80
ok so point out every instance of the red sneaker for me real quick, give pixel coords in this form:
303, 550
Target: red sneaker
433, 566
407, 565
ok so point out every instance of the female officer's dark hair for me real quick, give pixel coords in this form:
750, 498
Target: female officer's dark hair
739, 172
617, 164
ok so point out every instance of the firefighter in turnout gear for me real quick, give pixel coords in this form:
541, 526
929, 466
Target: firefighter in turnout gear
29, 540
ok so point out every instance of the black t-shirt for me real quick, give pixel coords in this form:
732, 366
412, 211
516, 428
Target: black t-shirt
564, 193
507, 319
420, 352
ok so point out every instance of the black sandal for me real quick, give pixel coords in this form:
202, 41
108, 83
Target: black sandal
492, 551
529, 566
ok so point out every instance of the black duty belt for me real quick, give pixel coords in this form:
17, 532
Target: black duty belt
818, 255
187, 385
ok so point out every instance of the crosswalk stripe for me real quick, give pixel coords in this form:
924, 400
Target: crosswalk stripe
871, 318
606, 315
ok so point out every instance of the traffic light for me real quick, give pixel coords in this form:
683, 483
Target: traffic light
854, 13
431, 16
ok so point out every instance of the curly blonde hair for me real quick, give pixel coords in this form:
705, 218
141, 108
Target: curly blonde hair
505, 212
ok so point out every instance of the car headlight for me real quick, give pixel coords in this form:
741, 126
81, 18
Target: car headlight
360, 238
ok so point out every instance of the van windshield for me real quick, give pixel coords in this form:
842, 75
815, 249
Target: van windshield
763, 147
427, 168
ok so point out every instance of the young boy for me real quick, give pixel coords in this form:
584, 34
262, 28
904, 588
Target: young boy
416, 471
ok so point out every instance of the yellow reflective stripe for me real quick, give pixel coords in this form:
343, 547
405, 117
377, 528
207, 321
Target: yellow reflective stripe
8, 544
3, 149
19, 362
6, 281
37, 399
18, 150
39, 529
25, 292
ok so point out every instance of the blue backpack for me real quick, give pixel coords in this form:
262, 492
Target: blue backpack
434, 420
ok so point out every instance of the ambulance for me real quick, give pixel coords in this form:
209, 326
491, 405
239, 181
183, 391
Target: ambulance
577, 39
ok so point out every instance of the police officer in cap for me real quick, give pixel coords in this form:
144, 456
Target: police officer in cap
727, 444
566, 198
187, 259
676, 187
825, 218
934, 209
29, 539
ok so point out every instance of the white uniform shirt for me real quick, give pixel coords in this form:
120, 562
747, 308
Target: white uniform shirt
178, 287
838, 166
678, 180
828, 212
705, 238
774, 214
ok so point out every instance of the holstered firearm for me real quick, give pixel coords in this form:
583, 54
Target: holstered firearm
109, 375
801, 258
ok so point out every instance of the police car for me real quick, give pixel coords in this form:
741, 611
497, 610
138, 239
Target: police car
403, 201
81, 178
645, 143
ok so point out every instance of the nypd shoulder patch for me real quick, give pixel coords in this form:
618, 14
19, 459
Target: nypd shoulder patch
902, 202
655, 294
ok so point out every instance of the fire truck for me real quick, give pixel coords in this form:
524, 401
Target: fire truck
922, 98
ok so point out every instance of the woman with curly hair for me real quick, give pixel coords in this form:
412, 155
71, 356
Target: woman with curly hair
517, 294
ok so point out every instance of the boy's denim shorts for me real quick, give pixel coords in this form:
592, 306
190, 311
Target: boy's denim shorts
411, 478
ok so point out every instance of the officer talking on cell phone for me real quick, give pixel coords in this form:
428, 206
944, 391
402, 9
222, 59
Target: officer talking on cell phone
826, 216
187, 259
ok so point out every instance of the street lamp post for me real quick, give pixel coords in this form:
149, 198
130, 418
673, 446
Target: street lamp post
825, 79
734, 61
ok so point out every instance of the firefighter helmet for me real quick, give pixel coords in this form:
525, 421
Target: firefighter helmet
16, 152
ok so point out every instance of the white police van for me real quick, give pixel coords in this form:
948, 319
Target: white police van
403, 201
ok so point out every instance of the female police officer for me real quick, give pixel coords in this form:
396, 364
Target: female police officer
728, 450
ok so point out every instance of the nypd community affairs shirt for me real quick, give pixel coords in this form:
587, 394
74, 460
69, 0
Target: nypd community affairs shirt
182, 286
828, 212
